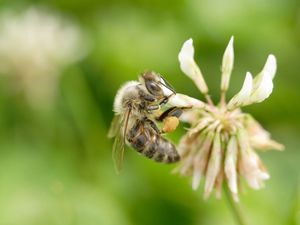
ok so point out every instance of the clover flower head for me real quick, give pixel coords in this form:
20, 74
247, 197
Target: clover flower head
221, 142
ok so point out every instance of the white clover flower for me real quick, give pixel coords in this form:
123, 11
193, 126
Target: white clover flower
244, 94
34, 47
258, 89
221, 143
227, 65
189, 66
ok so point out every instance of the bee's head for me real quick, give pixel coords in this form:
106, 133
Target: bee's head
156, 84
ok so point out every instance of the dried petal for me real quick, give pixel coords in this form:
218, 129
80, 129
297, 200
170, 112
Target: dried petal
218, 184
203, 122
201, 160
250, 164
188, 149
185, 145
231, 165
259, 137
214, 166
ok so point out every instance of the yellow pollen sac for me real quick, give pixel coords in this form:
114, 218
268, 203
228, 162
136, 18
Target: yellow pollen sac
170, 124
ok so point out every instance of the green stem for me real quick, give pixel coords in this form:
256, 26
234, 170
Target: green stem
208, 99
234, 207
223, 98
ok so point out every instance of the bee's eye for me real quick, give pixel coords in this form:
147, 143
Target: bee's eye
153, 88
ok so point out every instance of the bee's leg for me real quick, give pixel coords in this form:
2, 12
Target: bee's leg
139, 137
153, 107
153, 125
165, 99
173, 111
134, 130
146, 97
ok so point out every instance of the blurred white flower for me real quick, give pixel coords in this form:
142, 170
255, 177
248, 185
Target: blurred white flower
221, 141
34, 47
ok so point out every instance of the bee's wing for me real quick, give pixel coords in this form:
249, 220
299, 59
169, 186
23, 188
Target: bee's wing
118, 151
119, 143
115, 126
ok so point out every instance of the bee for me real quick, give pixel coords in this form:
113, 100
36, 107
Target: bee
135, 105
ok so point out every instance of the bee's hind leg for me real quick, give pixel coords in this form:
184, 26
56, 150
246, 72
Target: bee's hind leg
153, 125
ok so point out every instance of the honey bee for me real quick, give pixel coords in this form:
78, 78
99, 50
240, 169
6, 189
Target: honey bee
135, 105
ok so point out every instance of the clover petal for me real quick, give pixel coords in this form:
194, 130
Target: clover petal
227, 65
189, 66
263, 82
243, 96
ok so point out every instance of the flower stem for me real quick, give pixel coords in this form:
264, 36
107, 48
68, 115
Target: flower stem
223, 98
209, 100
234, 207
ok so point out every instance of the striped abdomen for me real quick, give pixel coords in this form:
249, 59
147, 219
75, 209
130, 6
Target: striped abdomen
161, 150
153, 146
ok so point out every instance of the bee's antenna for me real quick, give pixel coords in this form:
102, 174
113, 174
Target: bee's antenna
167, 85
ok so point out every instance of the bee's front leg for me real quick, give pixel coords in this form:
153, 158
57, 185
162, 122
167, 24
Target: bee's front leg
170, 118
173, 111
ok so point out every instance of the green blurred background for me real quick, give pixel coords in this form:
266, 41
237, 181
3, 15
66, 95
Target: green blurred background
55, 162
